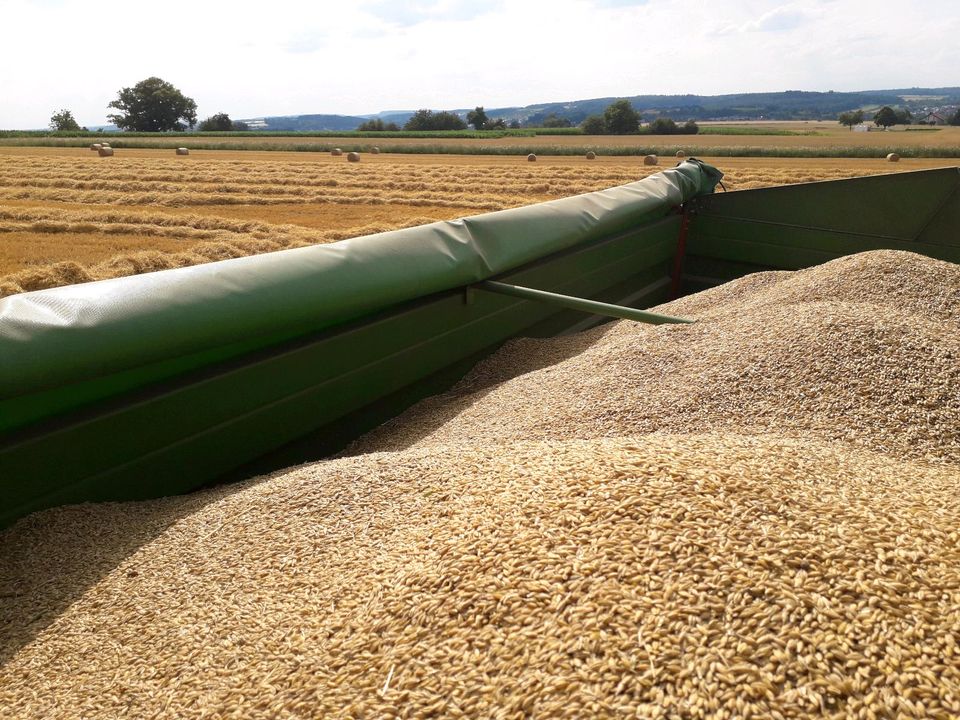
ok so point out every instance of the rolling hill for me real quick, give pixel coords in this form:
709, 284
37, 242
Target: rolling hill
787, 105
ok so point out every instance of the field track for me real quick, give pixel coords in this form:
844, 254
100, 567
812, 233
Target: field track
67, 215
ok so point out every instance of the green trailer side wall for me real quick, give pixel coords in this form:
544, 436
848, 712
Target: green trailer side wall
796, 226
116, 421
183, 434
163, 422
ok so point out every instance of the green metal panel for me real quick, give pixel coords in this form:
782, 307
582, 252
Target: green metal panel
797, 226
182, 433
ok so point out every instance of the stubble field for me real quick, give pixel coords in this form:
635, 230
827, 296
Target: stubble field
68, 215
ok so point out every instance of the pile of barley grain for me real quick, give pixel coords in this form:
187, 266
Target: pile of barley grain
762, 565
864, 349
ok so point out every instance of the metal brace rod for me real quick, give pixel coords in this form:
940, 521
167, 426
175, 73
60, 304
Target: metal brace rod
575, 303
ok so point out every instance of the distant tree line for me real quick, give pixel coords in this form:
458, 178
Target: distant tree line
887, 116
666, 126
377, 125
850, 119
156, 105
153, 105
555, 121
884, 117
221, 122
619, 118
429, 120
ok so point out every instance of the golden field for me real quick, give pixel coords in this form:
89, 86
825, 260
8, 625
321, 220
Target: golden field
792, 137
68, 215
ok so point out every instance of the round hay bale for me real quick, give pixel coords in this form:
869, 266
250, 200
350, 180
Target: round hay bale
893, 157
681, 154
105, 151
336, 151
591, 155
95, 146
105, 144
353, 157
650, 160
183, 151
375, 150
531, 158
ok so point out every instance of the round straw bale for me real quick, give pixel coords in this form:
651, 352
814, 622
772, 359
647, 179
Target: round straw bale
183, 151
353, 157
95, 146
105, 151
531, 157
591, 155
650, 160
893, 157
680, 154
336, 151
375, 150
104, 144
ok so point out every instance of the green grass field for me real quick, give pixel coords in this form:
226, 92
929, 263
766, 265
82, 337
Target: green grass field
746, 139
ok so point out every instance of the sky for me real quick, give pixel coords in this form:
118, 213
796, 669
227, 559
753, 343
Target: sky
287, 57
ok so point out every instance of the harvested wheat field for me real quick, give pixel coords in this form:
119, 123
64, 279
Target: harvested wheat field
751, 516
68, 216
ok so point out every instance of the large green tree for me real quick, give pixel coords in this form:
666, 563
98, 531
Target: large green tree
663, 126
477, 117
885, 117
904, 116
377, 125
620, 118
153, 105
63, 120
555, 121
854, 117
594, 125
429, 120
221, 122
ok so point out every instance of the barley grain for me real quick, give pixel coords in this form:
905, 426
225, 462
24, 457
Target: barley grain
748, 516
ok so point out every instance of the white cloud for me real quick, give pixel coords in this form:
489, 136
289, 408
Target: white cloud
619, 3
779, 20
413, 13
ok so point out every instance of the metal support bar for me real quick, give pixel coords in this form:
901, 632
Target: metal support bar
575, 303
